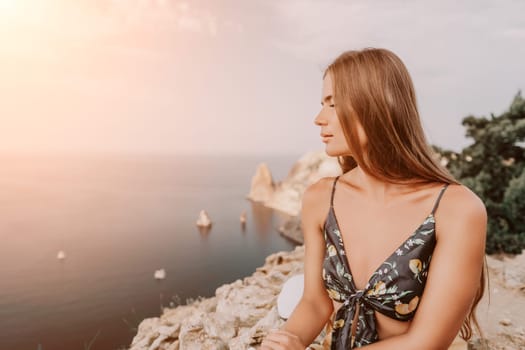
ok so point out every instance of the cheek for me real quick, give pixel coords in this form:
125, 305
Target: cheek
338, 144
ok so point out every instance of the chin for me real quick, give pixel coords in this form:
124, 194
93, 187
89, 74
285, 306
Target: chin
332, 153
336, 153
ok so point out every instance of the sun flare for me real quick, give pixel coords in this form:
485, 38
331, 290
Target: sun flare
7, 5
10, 10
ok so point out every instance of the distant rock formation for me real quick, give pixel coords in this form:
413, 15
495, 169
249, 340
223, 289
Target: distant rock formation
159, 274
204, 219
286, 195
291, 229
262, 187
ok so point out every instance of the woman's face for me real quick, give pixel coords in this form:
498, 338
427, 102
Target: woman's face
331, 131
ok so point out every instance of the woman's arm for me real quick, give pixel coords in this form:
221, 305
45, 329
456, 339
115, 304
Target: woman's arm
453, 276
315, 307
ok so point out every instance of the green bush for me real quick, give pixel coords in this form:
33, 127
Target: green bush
493, 167
514, 203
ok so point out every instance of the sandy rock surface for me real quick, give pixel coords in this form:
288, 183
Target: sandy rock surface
241, 313
237, 317
501, 313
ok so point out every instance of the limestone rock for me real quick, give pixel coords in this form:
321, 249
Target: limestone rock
262, 187
159, 274
241, 313
510, 268
505, 322
204, 219
286, 195
237, 317
291, 229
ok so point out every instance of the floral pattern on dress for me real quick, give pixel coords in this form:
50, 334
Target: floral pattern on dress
394, 289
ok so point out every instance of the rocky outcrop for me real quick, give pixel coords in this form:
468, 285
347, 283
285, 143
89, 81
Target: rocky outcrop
509, 269
241, 313
291, 229
501, 312
237, 317
286, 195
203, 219
262, 187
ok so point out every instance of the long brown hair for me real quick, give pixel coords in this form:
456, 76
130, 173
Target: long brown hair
373, 87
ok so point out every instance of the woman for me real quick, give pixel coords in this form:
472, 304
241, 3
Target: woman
374, 237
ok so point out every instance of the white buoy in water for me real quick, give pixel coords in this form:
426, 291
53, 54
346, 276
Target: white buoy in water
160, 274
290, 295
61, 255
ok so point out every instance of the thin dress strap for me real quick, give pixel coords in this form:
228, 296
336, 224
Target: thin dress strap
439, 198
333, 190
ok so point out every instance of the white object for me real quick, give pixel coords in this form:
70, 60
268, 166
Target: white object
160, 274
243, 217
204, 219
61, 255
290, 295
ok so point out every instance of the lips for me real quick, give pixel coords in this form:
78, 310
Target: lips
326, 137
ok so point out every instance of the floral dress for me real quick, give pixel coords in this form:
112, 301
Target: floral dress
394, 289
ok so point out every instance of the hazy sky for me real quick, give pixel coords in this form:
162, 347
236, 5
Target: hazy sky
236, 76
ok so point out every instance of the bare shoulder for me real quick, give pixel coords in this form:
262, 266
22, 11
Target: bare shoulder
316, 199
460, 206
456, 268
461, 199
319, 190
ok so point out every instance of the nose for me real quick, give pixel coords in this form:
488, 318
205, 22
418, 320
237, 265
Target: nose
319, 119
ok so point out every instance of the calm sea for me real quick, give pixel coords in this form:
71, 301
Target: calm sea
118, 219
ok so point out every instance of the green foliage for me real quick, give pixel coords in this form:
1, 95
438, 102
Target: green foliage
493, 167
514, 202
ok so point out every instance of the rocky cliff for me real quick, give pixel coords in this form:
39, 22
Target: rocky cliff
286, 195
237, 317
241, 313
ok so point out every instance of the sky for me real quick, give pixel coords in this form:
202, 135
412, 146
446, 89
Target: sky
237, 77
